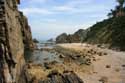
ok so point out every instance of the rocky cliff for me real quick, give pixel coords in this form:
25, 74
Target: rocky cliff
109, 32
77, 37
26, 32
62, 38
15, 34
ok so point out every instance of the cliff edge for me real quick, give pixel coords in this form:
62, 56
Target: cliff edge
15, 36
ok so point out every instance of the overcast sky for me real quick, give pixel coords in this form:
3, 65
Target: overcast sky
49, 18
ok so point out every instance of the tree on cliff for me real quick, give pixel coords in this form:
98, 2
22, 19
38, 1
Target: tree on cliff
119, 9
121, 3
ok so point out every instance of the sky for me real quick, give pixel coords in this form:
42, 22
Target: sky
49, 18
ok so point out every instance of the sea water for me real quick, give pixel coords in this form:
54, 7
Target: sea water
40, 56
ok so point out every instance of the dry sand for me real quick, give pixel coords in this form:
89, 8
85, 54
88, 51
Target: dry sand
109, 68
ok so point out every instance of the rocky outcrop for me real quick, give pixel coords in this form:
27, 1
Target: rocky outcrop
66, 77
14, 31
35, 41
38, 74
77, 37
26, 32
50, 40
109, 33
63, 38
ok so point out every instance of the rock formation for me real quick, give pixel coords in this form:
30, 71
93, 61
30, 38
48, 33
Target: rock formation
77, 37
15, 34
63, 38
26, 32
66, 77
109, 32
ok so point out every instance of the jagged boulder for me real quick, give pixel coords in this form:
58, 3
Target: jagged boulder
66, 77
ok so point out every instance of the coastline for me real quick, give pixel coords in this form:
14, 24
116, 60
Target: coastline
89, 62
106, 68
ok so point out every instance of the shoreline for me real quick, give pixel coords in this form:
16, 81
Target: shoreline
107, 67
85, 61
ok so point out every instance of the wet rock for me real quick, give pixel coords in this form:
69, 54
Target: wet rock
53, 62
61, 56
123, 65
35, 40
29, 65
46, 59
53, 72
94, 59
105, 54
66, 77
99, 45
108, 66
33, 80
103, 79
71, 77
88, 61
78, 55
100, 54
47, 65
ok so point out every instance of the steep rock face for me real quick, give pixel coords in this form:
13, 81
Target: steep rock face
11, 41
63, 38
26, 32
77, 37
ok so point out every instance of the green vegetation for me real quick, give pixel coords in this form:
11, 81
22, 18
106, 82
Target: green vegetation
121, 2
119, 9
110, 31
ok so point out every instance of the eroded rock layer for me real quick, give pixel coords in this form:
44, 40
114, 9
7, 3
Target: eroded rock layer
14, 31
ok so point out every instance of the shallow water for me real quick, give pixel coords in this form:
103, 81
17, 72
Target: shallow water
39, 57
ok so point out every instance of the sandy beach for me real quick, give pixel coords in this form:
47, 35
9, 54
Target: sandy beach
90, 63
106, 69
